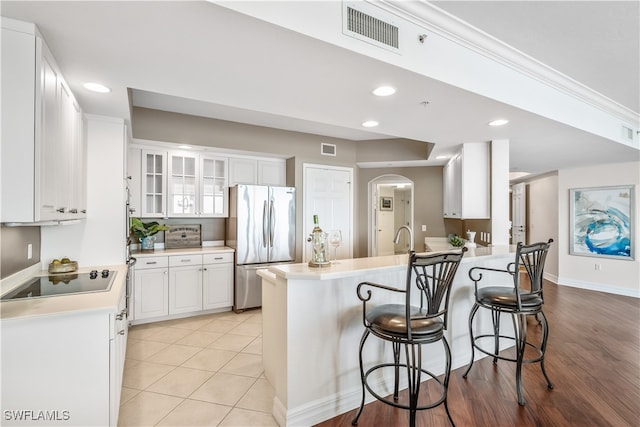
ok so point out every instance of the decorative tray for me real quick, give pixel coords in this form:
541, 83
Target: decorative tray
63, 268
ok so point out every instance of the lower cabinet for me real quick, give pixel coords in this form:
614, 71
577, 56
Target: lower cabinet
64, 368
217, 269
167, 286
151, 288
185, 284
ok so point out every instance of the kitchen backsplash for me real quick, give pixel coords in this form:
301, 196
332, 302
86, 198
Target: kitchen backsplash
15, 243
212, 228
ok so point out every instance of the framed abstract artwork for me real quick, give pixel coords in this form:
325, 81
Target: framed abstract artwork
602, 222
386, 203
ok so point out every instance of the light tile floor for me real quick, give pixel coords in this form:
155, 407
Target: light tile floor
199, 371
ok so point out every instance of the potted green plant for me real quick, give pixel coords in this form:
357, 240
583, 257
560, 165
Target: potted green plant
145, 232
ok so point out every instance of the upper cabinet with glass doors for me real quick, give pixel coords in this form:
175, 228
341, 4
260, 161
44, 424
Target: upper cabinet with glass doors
213, 187
154, 174
182, 184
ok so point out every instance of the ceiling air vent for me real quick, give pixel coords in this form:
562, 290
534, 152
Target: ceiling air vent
327, 149
372, 29
627, 133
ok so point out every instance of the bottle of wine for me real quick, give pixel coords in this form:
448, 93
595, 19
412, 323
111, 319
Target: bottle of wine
316, 225
319, 244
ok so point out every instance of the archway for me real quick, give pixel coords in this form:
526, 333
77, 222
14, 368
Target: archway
390, 204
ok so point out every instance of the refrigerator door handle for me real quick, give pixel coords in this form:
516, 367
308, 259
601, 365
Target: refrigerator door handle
272, 220
265, 218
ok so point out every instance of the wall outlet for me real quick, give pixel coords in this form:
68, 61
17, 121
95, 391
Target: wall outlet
424, 227
598, 267
29, 251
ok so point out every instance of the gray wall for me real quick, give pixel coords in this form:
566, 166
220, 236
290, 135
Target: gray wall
14, 249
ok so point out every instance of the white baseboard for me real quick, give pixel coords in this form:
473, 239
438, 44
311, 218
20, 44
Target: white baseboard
598, 287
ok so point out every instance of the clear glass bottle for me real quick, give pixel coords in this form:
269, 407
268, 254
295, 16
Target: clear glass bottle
319, 245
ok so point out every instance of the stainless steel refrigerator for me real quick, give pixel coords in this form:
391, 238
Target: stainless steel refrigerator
261, 229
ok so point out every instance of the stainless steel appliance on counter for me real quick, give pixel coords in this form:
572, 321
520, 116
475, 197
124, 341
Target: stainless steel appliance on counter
261, 229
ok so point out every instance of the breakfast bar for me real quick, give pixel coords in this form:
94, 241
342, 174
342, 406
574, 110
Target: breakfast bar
312, 325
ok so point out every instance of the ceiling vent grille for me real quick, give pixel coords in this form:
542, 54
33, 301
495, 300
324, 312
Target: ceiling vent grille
370, 28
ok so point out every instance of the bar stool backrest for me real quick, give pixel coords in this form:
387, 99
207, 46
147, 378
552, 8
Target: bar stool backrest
431, 275
532, 258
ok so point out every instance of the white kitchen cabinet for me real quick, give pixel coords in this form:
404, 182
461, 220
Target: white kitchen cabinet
183, 185
153, 184
197, 185
41, 132
214, 194
119, 331
151, 288
66, 363
185, 284
217, 281
244, 170
172, 286
272, 172
466, 183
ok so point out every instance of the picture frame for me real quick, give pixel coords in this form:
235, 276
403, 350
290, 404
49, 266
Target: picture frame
386, 203
602, 222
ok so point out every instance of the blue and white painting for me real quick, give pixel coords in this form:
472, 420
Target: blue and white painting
602, 221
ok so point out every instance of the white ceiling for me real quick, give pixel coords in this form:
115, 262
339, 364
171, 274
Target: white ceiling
203, 59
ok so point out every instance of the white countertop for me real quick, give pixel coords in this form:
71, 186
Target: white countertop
68, 303
353, 267
182, 251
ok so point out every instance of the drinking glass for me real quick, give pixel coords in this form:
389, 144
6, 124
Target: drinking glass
335, 239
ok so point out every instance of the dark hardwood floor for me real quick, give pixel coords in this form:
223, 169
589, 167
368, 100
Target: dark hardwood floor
593, 360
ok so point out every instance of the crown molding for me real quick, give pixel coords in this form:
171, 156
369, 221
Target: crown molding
448, 26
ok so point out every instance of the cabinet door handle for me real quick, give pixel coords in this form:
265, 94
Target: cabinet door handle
121, 332
73, 211
61, 210
218, 258
84, 211
204, 269
151, 262
185, 260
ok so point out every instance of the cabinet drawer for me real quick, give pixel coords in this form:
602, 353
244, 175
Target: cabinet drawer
182, 260
152, 262
217, 258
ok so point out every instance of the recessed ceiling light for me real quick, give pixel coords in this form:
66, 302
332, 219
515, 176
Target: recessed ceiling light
384, 91
370, 124
97, 87
498, 122
185, 147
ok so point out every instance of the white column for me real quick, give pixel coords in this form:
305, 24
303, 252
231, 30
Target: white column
500, 192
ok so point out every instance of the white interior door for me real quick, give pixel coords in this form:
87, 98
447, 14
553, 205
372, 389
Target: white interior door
328, 193
518, 213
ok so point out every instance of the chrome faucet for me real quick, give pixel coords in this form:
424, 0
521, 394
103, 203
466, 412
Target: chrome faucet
396, 239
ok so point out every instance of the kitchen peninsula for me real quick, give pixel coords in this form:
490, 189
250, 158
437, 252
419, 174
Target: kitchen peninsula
312, 325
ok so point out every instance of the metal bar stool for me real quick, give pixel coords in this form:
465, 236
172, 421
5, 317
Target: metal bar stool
517, 302
411, 326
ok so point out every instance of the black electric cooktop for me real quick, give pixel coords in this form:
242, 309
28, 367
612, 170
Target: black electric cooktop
63, 284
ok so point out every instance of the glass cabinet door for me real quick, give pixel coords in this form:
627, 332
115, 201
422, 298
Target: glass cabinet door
214, 192
183, 186
154, 190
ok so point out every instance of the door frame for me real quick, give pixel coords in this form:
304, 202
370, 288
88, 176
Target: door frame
305, 213
372, 203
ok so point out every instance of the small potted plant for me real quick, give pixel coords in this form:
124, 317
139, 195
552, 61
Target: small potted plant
145, 232
456, 241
